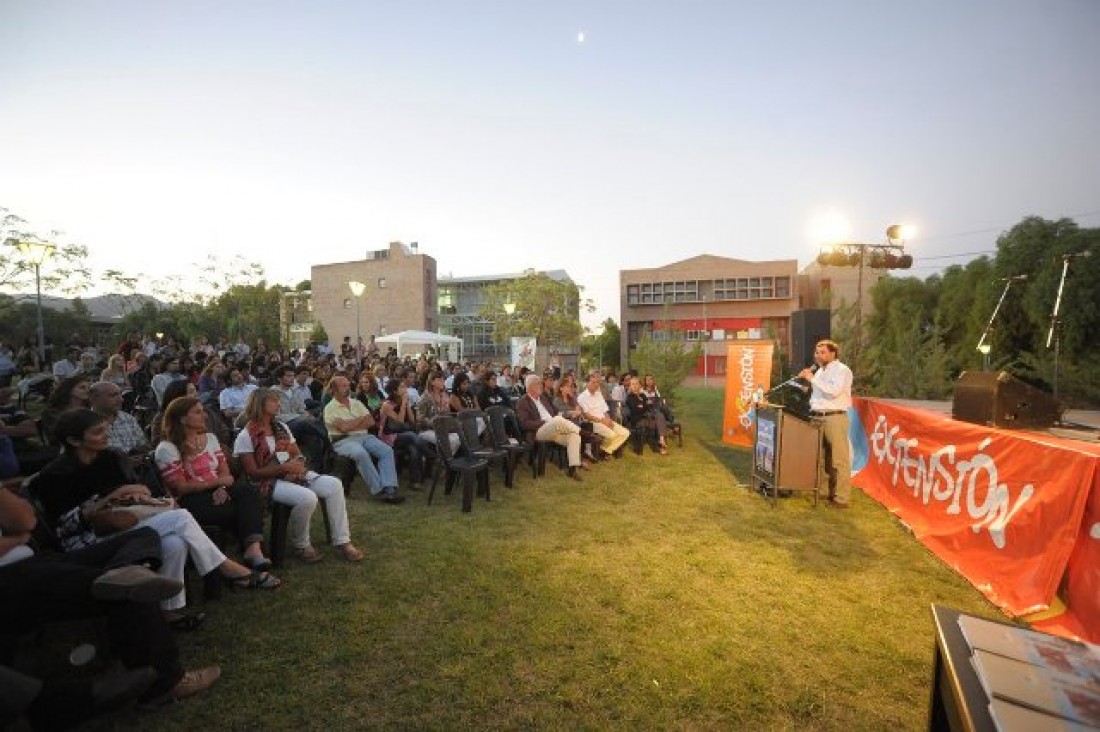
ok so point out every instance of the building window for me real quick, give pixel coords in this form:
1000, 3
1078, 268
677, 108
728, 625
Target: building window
347, 303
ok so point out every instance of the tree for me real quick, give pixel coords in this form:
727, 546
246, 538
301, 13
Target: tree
669, 360
602, 350
545, 308
319, 335
65, 270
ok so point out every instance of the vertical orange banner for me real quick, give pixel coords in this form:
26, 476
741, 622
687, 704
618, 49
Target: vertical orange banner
748, 373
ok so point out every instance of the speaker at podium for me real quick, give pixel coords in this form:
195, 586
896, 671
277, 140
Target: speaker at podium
1001, 400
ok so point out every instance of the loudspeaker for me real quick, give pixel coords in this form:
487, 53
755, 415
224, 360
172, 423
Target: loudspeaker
1002, 400
807, 328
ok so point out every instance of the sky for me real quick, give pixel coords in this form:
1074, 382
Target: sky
504, 135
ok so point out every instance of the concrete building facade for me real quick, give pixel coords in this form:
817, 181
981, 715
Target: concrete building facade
711, 299
400, 293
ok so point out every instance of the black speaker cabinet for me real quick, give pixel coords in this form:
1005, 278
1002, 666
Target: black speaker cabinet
1002, 400
807, 328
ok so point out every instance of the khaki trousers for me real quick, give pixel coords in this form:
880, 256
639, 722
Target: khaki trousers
561, 431
836, 473
613, 436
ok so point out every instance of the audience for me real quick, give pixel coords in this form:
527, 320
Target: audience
308, 411
82, 487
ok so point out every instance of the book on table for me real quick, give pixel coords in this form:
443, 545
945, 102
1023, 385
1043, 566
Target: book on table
1039, 649
1048, 675
1038, 688
1011, 717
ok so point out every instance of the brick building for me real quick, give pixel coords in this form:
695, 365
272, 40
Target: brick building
399, 293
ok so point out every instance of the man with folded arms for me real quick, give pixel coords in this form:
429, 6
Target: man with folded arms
595, 410
348, 421
537, 415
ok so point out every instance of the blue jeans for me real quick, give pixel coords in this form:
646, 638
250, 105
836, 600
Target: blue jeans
361, 448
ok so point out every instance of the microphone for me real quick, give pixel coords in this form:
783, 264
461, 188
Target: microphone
1083, 255
1013, 278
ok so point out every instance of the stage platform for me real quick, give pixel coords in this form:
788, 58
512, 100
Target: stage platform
1016, 512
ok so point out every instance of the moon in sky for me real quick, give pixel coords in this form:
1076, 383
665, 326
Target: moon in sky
580, 37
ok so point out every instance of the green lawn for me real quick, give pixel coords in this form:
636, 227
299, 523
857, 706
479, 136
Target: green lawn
658, 594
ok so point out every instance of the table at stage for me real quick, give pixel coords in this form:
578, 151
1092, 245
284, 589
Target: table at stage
958, 700
1016, 513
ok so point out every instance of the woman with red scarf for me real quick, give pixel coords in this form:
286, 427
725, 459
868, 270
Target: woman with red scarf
271, 457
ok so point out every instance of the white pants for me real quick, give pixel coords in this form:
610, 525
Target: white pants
180, 537
454, 439
613, 436
303, 500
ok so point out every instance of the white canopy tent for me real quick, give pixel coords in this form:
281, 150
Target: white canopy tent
416, 341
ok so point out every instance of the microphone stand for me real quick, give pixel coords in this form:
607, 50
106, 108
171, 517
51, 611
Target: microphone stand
1054, 334
989, 326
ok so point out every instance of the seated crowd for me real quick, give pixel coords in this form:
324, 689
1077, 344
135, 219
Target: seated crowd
140, 454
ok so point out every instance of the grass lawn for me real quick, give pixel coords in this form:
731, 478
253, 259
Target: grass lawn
658, 594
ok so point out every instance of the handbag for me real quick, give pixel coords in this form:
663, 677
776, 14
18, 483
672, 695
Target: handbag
142, 507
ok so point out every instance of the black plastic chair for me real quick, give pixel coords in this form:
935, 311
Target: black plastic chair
468, 419
499, 418
466, 466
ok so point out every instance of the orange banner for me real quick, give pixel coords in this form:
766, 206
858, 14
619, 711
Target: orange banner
1006, 509
748, 376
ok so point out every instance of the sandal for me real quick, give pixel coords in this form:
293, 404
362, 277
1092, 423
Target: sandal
309, 555
254, 581
186, 623
259, 564
350, 552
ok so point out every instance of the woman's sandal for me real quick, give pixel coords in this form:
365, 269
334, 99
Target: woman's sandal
186, 623
310, 555
254, 580
258, 564
350, 552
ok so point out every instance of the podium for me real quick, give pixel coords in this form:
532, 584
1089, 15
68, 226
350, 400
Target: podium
787, 452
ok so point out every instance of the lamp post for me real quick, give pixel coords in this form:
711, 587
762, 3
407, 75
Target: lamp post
706, 335
357, 290
36, 253
889, 255
510, 310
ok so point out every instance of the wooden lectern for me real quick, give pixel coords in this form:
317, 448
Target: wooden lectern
787, 452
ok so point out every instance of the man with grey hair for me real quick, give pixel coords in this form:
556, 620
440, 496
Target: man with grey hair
538, 415
125, 434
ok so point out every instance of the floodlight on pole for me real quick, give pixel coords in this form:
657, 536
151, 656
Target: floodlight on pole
888, 255
36, 252
357, 289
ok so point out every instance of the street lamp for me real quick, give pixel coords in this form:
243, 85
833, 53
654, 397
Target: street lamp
888, 255
510, 310
706, 334
357, 290
36, 253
